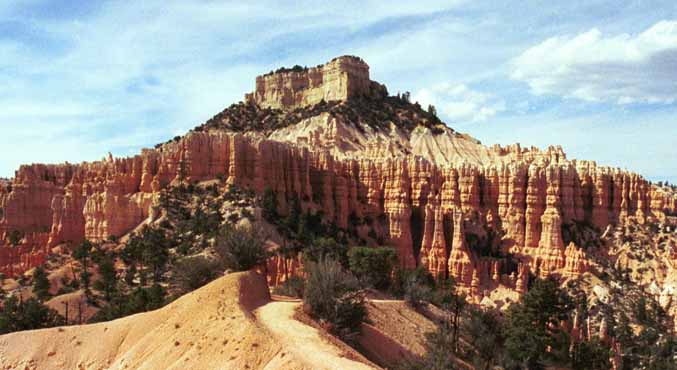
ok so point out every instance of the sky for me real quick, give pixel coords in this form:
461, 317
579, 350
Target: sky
81, 79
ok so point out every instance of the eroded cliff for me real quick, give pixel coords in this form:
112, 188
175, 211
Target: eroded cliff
486, 216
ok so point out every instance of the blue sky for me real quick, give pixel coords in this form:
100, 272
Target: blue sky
81, 79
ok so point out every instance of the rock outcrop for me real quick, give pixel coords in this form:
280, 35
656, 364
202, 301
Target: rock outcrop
457, 212
342, 78
528, 201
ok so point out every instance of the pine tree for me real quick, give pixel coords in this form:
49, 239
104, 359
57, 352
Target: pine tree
269, 204
293, 218
528, 330
432, 110
483, 329
83, 253
107, 283
40, 283
30, 314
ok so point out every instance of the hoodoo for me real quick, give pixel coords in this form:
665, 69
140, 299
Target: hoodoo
377, 166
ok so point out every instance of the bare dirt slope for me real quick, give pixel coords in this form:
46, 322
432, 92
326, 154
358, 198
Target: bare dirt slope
396, 332
303, 341
211, 328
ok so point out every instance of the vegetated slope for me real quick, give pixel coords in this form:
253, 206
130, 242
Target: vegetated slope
367, 127
211, 328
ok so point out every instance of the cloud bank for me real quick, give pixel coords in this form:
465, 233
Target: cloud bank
591, 66
459, 103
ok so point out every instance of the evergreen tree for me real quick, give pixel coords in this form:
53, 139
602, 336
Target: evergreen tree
147, 252
83, 253
107, 283
485, 337
590, 355
529, 324
640, 310
40, 283
432, 110
269, 204
30, 314
14, 237
372, 265
293, 218
130, 274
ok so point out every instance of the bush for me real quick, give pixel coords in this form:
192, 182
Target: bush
292, 287
14, 237
194, 272
27, 315
372, 265
414, 286
415, 293
323, 248
332, 294
241, 249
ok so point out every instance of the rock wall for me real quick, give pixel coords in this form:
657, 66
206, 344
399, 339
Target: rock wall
340, 79
428, 213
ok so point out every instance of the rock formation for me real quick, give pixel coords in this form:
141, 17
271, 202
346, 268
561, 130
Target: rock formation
436, 206
342, 78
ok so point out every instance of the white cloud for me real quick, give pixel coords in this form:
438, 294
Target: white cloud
594, 67
132, 74
458, 103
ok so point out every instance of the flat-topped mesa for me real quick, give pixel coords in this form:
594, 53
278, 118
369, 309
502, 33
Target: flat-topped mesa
340, 79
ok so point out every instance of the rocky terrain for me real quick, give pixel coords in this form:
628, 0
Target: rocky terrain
233, 325
390, 172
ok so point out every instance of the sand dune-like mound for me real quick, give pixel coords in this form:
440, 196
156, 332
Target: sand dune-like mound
211, 328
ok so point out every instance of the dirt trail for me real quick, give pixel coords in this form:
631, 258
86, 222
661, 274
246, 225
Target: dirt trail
302, 340
213, 327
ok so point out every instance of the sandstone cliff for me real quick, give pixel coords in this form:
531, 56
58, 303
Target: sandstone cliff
441, 198
342, 78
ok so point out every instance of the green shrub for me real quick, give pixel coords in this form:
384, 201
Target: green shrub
413, 286
14, 237
292, 287
193, 272
323, 248
332, 295
372, 265
240, 249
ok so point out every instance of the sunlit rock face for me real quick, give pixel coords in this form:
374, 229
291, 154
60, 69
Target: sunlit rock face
342, 78
441, 199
